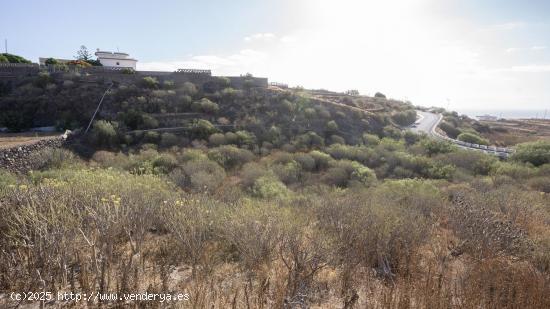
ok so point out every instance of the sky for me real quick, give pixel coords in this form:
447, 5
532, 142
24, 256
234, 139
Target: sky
460, 54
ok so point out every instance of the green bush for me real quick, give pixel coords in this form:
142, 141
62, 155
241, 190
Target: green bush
203, 128
370, 139
164, 163
345, 173
322, 160
306, 161
472, 138
432, 147
230, 156
168, 140
404, 118
332, 126
217, 139
14, 58
536, 153
269, 187
104, 134
206, 106
288, 173
150, 82
449, 129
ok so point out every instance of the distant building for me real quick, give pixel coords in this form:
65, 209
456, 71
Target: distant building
487, 118
110, 59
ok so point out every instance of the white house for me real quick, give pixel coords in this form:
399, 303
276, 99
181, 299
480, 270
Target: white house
110, 59
487, 118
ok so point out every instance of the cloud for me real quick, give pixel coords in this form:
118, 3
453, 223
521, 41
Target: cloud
507, 26
260, 36
512, 50
535, 68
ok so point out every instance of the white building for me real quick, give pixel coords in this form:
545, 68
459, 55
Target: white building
110, 59
487, 118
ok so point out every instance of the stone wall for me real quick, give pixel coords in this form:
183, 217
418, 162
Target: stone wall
20, 160
199, 77
15, 70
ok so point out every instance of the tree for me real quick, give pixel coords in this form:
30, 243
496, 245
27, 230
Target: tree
353, 92
379, 95
83, 54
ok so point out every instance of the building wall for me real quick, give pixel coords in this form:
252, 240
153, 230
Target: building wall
123, 63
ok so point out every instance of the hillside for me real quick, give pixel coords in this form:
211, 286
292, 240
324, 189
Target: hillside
261, 197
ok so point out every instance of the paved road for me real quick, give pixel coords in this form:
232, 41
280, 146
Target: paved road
427, 123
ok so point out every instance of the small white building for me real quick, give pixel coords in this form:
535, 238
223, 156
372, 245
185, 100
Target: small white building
110, 59
487, 117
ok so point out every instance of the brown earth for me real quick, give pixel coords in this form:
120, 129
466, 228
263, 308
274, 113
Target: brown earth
509, 132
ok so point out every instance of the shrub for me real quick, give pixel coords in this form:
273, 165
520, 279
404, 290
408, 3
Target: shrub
404, 118
168, 140
6, 179
250, 173
346, 173
148, 122
392, 132
541, 184
289, 172
14, 58
203, 128
217, 139
230, 156
151, 137
104, 134
206, 106
332, 126
164, 163
191, 155
379, 95
309, 140
269, 187
472, 138
321, 159
49, 158
335, 139
51, 61
150, 82
245, 138
432, 146
536, 153
189, 89
306, 161
198, 175
449, 129
370, 139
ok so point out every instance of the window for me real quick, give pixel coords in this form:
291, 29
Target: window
118, 63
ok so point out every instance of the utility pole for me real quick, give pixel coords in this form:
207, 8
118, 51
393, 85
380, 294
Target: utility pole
6, 45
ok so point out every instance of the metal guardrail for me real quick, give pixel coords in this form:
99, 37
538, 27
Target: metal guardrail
194, 71
499, 151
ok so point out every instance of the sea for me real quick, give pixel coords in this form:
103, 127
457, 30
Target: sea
507, 113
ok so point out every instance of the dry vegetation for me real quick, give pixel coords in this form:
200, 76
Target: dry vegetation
298, 205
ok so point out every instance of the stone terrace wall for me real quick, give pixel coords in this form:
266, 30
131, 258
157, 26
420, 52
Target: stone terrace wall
14, 70
200, 77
